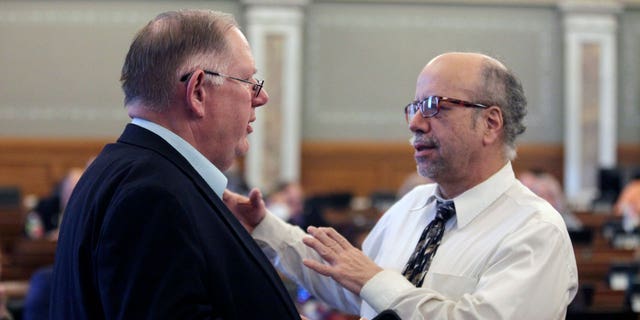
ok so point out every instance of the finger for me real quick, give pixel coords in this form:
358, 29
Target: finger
324, 252
321, 235
318, 267
255, 196
339, 239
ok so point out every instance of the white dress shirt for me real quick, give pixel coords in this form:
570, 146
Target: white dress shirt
505, 255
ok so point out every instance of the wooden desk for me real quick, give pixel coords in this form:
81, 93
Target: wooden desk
11, 227
594, 263
605, 298
595, 220
26, 257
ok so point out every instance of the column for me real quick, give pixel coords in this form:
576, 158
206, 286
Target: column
590, 95
274, 29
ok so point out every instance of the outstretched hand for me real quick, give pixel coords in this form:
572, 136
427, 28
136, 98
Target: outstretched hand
346, 264
249, 210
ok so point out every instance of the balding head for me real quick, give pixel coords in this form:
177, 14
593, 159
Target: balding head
481, 79
452, 72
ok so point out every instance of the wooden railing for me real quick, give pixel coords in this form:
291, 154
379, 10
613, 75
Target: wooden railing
366, 167
36, 165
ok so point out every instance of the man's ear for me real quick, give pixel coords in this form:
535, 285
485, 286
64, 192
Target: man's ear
494, 123
196, 93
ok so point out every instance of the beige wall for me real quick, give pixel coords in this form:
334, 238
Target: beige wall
363, 60
629, 79
60, 62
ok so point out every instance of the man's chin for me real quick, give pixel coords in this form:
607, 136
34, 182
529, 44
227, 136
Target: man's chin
427, 171
242, 148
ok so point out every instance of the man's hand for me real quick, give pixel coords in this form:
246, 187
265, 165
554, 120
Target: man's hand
347, 265
250, 211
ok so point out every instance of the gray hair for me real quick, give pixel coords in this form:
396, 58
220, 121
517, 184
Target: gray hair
169, 46
502, 88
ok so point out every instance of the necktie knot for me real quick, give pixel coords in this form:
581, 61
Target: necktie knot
445, 210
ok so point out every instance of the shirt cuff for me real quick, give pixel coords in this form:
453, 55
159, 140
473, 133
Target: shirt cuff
384, 288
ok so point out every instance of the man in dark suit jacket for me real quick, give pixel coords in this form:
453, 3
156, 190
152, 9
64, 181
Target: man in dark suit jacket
146, 234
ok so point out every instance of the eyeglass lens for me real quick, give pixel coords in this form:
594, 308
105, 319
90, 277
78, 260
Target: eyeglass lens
428, 107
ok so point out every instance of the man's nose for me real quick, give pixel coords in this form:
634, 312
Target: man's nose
418, 123
261, 99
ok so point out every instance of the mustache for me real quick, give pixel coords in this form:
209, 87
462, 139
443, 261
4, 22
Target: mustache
424, 140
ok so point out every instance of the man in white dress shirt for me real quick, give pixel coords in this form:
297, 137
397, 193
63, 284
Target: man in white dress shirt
506, 253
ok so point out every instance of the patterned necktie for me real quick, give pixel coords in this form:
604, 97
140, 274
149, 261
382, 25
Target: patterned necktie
420, 260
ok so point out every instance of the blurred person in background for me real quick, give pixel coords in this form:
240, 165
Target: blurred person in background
628, 204
287, 202
548, 188
36, 302
44, 220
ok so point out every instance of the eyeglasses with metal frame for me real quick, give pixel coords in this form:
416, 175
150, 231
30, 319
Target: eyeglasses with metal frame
430, 106
256, 86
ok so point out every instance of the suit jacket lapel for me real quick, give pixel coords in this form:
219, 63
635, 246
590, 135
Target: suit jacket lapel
144, 138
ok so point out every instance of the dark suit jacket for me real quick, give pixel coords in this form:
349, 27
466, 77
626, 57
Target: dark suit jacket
144, 237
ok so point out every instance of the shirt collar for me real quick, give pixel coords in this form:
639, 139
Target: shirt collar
475, 200
209, 172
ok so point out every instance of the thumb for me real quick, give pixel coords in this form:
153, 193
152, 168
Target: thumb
255, 196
